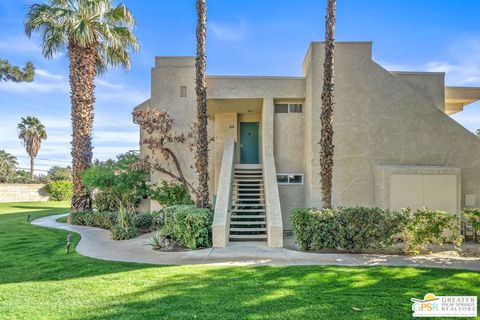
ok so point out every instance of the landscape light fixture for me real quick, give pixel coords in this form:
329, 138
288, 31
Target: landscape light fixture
69, 241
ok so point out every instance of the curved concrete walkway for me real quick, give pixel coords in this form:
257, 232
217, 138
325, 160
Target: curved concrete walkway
97, 243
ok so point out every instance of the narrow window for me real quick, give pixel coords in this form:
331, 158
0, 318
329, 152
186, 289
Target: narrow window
183, 91
281, 108
290, 178
295, 108
282, 178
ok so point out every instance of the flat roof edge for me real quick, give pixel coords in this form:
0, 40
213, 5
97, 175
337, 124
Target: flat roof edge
425, 73
255, 77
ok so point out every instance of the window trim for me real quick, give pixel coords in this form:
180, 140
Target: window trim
290, 183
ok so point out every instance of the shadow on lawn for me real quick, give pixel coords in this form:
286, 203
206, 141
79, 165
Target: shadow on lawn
33, 253
285, 293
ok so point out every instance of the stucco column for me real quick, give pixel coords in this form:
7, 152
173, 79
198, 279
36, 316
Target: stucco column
272, 198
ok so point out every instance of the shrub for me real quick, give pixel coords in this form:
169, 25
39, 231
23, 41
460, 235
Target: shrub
124, 183
105, 201
362, 228
61, 190
57, 173
171, 194
426, 227
124, 228
314, 229
358, 228
104, 220
188, 225
354, 229
149, 221
473, 217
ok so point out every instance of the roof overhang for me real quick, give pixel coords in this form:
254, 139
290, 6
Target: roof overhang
458, 97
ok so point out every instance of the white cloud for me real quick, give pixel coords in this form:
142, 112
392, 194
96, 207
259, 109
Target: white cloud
47, 75
228, 32
109, 85
19, 43
462, 67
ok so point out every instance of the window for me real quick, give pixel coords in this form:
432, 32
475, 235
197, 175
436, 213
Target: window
281, 108
290, 178
288, 108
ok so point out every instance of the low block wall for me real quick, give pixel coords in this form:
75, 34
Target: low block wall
16, 192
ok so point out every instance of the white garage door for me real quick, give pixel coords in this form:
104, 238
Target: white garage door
436, 192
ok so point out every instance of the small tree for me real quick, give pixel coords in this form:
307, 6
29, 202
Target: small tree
160, 137
31, 132
8, 162
57, 173
14, 73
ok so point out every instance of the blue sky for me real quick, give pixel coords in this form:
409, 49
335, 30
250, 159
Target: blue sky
249, 37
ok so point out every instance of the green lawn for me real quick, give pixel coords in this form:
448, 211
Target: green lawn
39, 281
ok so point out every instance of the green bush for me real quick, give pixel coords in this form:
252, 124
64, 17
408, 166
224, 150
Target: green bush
149, 221
189, 226
426, 227
358, 228
171, 194
473, 217
104, 220
354, 229
361, 228
120, 179
124, 228
105, 201
61, 190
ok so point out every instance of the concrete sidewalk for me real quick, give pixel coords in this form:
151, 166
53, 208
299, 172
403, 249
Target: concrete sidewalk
97, 243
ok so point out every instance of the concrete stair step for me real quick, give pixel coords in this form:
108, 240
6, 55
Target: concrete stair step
248, 236
246, 223
248, 229
259, 216
248, 210
248, 166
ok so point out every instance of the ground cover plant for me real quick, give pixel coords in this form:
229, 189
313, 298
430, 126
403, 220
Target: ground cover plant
39, 281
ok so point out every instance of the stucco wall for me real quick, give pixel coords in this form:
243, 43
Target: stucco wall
380, 120
289, 153
13, 192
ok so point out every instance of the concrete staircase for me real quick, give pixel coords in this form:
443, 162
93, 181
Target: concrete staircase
248, 218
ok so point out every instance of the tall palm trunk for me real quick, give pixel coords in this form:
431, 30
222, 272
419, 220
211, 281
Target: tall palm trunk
326, 139
82, 75
32, 165
203, 197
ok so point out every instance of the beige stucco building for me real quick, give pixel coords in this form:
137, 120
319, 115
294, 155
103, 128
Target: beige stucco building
395, 143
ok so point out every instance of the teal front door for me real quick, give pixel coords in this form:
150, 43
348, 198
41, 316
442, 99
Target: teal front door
249, 150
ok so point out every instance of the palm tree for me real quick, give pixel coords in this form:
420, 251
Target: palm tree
96, 34
8, 162
326, 117
201, 157
31, 131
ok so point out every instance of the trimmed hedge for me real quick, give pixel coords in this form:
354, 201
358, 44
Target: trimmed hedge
104, 220
61, 190
358, 228
149, 221
354, 229
189, 226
